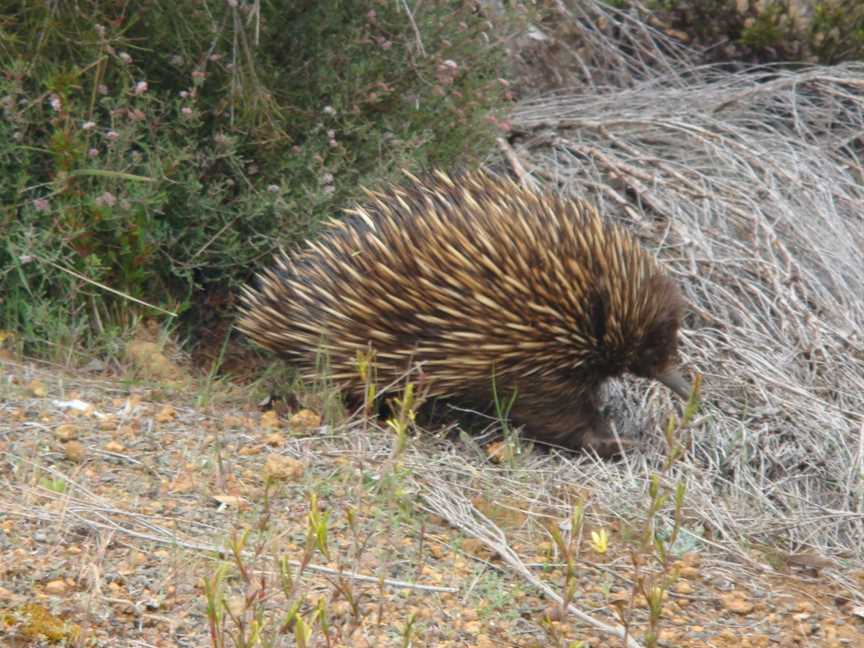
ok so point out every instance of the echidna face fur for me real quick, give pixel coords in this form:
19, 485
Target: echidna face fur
657, 351
473, 277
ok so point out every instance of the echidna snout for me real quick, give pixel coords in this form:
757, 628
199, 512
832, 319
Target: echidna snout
481, 282
656, 355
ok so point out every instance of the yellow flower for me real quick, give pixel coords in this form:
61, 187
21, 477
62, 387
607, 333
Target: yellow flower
600, 541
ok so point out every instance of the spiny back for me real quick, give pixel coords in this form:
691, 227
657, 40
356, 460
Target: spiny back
469, 276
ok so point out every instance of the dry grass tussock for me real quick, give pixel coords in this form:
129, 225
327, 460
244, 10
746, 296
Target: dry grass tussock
749, 187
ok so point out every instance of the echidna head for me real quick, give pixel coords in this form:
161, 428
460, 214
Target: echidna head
656, 352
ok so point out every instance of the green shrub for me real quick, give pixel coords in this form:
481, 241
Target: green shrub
760, 31
163, 150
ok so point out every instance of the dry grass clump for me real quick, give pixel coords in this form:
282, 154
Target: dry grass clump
748, 185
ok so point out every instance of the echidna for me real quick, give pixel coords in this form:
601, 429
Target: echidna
478, 280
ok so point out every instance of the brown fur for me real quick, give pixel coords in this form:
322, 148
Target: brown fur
471, 277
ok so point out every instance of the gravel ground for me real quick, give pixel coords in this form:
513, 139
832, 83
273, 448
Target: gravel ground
120, 505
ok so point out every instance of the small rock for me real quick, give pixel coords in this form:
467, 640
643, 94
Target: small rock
66, 432
55, 587
166, 414
270, 419
275, 439
282, 468
304, 420
683, 587
36, 388
688, 572
737, 603
74, 451
437, 551
136, 558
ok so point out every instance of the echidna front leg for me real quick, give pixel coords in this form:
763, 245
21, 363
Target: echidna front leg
572, 421
605, 444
